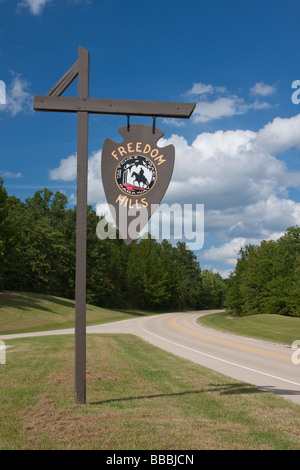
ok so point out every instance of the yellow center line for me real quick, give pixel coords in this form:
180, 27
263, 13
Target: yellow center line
224, 342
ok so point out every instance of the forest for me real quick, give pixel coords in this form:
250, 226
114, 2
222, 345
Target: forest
37, 254
267, 277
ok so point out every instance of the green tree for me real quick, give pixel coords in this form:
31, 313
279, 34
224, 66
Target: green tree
5, 231
189, 271
267, 277
37, 253
147, 278
235, 294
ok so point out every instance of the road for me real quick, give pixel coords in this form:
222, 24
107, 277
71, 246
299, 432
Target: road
266, 365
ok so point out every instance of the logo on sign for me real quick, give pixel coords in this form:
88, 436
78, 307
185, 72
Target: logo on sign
135, 175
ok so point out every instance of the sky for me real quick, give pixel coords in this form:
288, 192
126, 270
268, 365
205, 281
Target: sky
238, 60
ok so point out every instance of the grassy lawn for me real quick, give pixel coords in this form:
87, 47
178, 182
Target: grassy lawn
26, 312
275, 328
138, 397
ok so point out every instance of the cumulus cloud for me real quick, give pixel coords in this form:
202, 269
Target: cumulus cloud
226, 253
18, 97
216, 102
229, 169
67, 170
11, 174
236, 175
221, 107
280, 134
205, 88
262, 89
200, 89
225, 107
241, 182
35, 6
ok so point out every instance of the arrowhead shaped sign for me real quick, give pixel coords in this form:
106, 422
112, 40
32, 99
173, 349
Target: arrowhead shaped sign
135, 176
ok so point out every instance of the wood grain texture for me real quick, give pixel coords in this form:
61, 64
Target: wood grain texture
67, 104
81, 228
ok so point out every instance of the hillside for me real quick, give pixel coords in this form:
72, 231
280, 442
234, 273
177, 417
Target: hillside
22, 311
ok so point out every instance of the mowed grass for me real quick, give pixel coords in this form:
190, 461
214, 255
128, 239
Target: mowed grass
276, 328
29, 312
138, 397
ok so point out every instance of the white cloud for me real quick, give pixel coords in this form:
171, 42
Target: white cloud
259, 105
18, 98
234, 168
66, 170
227, 253
95, 188
11, 174
236, 175
263, 89
200, 89
280, 134
227, 171
205, 88
35, 6
174, 122
221, 104
222, 107
241, 182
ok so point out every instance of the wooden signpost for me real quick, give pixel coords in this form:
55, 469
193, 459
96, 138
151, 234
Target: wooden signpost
83, 106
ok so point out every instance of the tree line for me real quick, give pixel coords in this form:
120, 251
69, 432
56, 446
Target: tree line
37, 254
267, 277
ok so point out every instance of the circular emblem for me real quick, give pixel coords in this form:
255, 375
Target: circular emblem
135, 175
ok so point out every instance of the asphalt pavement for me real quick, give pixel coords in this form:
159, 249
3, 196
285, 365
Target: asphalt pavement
266, 365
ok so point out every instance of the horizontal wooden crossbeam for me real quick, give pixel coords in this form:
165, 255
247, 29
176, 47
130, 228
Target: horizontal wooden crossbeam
106, 106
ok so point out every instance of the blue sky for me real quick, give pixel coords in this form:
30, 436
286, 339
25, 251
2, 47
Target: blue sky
238, 154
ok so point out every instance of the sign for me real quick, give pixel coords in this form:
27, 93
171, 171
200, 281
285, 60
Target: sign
135, 175
83, 105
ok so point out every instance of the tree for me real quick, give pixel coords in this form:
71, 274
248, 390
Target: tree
235, 295
147, 279
37, 253
5, 232
189, 271
267, 277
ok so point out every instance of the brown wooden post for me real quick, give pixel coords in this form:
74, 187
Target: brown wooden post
81, 229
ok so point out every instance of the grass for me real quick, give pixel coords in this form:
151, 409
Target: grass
138, 397
22, 312
275, 328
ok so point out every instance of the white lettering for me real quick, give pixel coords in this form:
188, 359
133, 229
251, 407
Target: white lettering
115, 460
295, 99
172, 460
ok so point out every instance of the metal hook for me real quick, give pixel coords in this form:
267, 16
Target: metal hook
153, 125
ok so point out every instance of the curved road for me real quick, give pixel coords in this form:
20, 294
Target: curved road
266, 365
